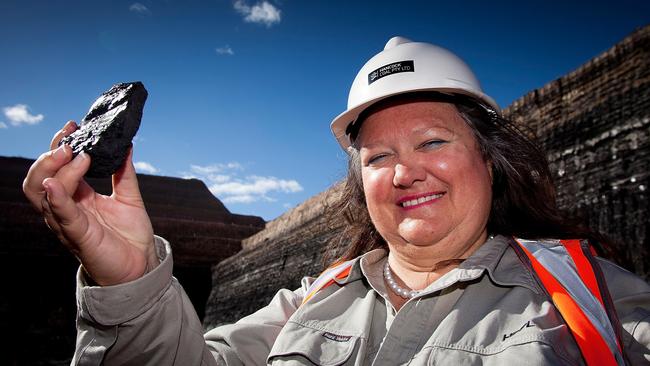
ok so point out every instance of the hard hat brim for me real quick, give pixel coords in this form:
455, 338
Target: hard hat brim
340, 124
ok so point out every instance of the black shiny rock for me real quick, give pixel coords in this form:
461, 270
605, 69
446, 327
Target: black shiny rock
107, 130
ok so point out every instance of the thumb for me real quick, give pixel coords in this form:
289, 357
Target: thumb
125, 182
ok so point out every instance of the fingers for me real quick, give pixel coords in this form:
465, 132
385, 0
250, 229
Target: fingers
61, 212
63, 215
67, 129
125, 182
47, 165
44, 167
71, 174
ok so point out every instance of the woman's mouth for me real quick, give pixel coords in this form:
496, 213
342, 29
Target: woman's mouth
411, 202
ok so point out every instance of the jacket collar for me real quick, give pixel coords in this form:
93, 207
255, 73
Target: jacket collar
503, 266
496, 258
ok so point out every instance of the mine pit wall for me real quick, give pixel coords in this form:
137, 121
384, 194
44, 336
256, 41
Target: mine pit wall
278, 258
593, 123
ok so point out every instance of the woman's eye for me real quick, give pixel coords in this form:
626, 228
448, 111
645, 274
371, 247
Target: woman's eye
432, 144
376, 159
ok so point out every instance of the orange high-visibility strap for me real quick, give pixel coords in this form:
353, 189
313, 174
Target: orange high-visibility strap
585, 271
592, 345
583, 267
338, 271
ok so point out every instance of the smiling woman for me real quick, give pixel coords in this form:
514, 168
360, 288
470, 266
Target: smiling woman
456, 138
426, 183
440, 190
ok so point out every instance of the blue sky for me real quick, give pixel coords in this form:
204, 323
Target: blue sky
241, 93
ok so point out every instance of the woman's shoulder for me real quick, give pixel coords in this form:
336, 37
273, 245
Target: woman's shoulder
622, 283
631, 297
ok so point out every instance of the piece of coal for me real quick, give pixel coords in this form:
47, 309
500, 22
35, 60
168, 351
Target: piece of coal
107, 130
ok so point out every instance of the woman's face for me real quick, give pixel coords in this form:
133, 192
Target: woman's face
424, 178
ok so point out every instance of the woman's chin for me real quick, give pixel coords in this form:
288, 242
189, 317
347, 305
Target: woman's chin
420, 232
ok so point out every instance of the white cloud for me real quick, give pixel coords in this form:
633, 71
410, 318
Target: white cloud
3, 125
144, 167
261, 13
236, 166
214, 168
19, 114
139, 9
205, 169
225, 50
224, 181
218, 178
247, 198
255, 185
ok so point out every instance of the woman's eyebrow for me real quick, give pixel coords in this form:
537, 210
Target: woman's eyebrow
425, 130
371, 145
413, 133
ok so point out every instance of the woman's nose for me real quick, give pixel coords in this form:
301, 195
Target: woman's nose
407, 174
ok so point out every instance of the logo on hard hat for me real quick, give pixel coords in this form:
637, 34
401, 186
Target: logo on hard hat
390, 69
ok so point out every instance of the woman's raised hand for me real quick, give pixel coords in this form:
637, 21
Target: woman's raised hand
110, 235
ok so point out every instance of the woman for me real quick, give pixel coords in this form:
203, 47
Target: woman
438, 183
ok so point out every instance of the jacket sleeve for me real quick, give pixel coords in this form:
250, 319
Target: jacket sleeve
151, 321
249, 341
631, 297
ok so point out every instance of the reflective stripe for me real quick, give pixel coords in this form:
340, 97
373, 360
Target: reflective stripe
337, 271
554, 257
576, 297
585, 272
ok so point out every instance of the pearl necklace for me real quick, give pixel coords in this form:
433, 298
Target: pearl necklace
399, 290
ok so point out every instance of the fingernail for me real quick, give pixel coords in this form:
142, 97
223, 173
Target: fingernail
59, 153
69, 126
79, 159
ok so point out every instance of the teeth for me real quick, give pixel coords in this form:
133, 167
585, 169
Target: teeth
420, 200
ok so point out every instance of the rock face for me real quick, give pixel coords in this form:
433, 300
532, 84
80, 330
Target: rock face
289, 248
106, 132
595, 125
38, 306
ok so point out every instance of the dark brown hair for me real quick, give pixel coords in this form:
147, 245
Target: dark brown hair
523, 193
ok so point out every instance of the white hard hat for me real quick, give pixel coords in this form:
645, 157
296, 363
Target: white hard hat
405, 66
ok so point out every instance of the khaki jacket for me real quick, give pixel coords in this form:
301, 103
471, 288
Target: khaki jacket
488, 311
